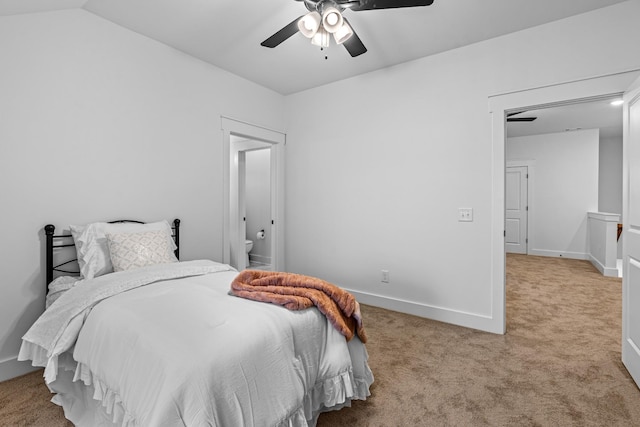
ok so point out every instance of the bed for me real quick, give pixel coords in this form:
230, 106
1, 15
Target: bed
152, 341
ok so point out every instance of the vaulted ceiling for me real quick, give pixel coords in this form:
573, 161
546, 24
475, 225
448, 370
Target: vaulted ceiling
228, 33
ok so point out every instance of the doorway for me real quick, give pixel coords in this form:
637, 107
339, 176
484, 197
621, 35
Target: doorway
238, 139
254, 199
499, 107
577, 149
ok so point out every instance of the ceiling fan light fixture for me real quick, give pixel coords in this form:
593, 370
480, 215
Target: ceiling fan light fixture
332, 19
309, 24
343, 34
321, 38
325, 18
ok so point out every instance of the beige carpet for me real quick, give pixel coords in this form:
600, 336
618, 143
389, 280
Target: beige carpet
558, 365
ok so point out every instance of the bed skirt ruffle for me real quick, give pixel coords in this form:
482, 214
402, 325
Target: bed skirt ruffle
87, 401
39, 357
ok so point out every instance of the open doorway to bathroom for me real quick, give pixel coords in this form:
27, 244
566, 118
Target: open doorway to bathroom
254, 189
242, 145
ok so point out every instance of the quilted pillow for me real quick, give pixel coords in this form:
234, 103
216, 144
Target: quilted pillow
91, 243
135, 250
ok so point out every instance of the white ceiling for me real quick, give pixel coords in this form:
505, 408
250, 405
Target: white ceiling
227, 34
585, 115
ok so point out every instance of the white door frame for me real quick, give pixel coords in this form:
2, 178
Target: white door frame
230, 233
535, 98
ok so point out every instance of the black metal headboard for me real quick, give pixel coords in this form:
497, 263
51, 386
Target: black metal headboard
66, 240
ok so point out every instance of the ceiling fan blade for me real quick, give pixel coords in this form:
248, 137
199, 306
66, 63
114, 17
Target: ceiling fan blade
280, 36
520, 119
390, 4
516, 112
353, 44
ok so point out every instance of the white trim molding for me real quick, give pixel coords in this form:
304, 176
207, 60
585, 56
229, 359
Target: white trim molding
460, 318
239, 128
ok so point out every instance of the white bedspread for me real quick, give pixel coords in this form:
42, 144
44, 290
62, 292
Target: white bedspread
184, 352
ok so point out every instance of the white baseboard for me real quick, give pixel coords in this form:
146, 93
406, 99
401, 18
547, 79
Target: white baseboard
606, 271
455, 317
11, 368
559, 254
260, 259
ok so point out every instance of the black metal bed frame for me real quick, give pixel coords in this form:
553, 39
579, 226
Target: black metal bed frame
66, 240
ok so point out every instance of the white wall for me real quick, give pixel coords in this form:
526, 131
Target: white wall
99, 123
610, 186
377, 182
610, 181
562, 190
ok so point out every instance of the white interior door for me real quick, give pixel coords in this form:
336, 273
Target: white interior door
631, 239
516, 200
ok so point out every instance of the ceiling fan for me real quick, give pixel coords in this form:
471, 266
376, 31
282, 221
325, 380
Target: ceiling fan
510, 117
325, 19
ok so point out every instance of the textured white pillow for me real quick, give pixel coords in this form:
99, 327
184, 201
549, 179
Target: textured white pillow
135, 250
91, 243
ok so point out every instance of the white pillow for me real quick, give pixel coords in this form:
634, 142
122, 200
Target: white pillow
135, 250
91, 243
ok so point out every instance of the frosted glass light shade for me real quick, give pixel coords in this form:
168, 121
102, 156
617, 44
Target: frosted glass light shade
343, 33
309, 24
332, 19
321, 38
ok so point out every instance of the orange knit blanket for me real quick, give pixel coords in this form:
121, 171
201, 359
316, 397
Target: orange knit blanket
297, 292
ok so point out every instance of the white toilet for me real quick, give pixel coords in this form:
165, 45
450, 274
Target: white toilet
249, 245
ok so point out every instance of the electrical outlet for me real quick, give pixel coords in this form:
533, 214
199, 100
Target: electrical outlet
385, 276
465, 214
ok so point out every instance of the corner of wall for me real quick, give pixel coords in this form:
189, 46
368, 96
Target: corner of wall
12, 368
